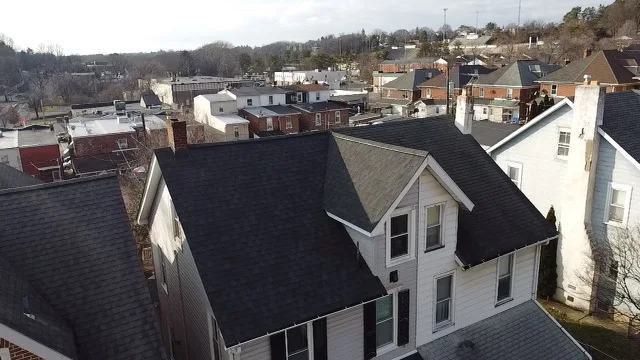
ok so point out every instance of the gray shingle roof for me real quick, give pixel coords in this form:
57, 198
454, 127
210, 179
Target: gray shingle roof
622, 120
489, 133
605, 66
365, 177
13, 178
267, 253
412, 79
518, 74
524, 332
72, 242
256, 91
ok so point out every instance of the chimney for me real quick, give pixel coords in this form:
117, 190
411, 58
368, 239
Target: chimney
577, 199
464, 112
177, 134
587, 53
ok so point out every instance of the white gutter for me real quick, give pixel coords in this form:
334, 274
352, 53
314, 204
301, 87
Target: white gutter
563, 330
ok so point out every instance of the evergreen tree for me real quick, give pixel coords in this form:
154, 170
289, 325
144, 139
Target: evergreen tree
547, 277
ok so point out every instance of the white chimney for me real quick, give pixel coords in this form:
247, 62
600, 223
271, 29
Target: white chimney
464, 112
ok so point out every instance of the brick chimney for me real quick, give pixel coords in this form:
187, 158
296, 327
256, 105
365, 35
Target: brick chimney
177, 133
464, 112
575, 217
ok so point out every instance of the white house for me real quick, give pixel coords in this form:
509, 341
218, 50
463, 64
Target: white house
331, 78
9, 153
218, 112
257, 96
581, 157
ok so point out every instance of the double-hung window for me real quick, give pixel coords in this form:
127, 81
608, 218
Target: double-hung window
428, 93
434, 227
554, 90
564, 138
481, 92
318, 96
215, 340
289, 122
443, 307
514, 170
509, 93
270, 99
505, 278
236, 132
385, 332
617, 206
297, 343
122, 143
337, 117
400, 236
269, 124
318, 119
249, 102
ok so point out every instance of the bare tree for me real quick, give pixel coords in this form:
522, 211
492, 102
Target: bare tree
9, 117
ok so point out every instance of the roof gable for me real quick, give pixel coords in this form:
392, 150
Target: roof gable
621, 121
412, 79
605, 66
520, 73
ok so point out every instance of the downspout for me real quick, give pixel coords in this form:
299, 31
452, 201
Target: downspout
186, 342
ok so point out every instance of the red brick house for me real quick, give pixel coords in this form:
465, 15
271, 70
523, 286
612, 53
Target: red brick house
272, 118
436, 87
40, 153
12, 351
405, 65
322, 116
401, 92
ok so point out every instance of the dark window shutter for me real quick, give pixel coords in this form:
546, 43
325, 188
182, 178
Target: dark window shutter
278, 351
403, 317
320, 339
369, 316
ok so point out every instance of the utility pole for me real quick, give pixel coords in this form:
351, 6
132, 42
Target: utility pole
519, 9
444, 27
477, 32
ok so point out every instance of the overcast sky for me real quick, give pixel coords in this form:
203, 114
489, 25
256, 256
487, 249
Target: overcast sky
82, 27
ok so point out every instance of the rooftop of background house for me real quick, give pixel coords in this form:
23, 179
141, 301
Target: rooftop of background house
217, 97
229, 119
199, 80
112, 124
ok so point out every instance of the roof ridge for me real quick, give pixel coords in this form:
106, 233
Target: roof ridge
595, 56
246, 141
56, 183
400, 149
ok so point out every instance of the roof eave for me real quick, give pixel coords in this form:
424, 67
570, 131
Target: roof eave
469, 265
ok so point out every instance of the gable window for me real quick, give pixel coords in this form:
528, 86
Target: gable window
399, 246
236, 132
481, 92
514, 170
317, 96
122, 143
318, 119
509, 93
564, 138
443, 301
385, 332
289, 122
215, 340
297, 343
337, 117
617, 206
269, 124
434, 227
249, 102
428, 93
270, 99
505, 278
554, 89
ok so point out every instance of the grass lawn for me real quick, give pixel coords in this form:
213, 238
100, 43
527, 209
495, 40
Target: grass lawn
610, 342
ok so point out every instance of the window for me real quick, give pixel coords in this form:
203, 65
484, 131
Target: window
338, 117
176, 223
163, 274
122, 143
297, 343
299, 97
269, 124
236, 132
564, 138
399, 245
505, 278
221, 110
484, 111
385, 323
444, 295
481, 92
215, 340
509, 93
437, 110
428, 93
318, 120
617, 209
249, 102
490, 111
317, 96
434, 227
55, 174
554, 89
270, 99
514, 170
289, 122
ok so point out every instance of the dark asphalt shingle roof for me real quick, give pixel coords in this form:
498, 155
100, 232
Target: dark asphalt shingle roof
257, 91
12, 178
319, 106
72, 242
518, 74
412, 79
267, 253
502, 220
151, 100
460, 75
605, 66
489, 133
621, 120
364, 178
282, 110
524, 332
17, 298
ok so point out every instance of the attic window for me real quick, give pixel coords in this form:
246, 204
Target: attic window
400, 236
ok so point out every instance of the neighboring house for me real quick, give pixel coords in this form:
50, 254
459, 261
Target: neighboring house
104, 108
322, 116
247, 97
581, 157
513, 86
472, 43
331, 78
405, 65
39, 152
214, 104
309, 93
12, 178
72, 286
404, 90
613, 69
386, 247
283, 119
429, 107
459, 77
9, 153
149, 101
356, 100
181, 90
380, 79
114, 162
219, 114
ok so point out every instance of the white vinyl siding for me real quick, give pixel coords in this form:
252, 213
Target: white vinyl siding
514, 171
564, 138
345, 335
259, 349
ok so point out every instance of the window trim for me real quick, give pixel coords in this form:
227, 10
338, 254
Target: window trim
428, 93
411, 212
163, 267
481, 92
211, 321
560, 130
317, 96
509, 93
309, 326
445, 324
270, 99
288, 122
337, 117
269, 127
442, 206
249, 102
122, 143
511, 283
318, 119
627, 203
554, 92
515, 165
393, 345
